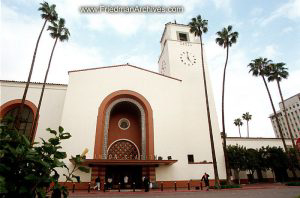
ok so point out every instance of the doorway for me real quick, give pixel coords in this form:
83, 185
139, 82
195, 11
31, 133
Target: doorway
118, 173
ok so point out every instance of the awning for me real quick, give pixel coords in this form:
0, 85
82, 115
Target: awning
97, 162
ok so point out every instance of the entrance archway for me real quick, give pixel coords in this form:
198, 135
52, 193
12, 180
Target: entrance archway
100, 148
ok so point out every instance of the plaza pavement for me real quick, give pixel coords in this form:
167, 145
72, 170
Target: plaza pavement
248, 191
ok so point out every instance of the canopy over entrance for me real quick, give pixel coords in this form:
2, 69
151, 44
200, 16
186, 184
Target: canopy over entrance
97, 162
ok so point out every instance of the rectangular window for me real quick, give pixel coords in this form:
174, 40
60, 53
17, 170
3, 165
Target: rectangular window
190, 158
182, 36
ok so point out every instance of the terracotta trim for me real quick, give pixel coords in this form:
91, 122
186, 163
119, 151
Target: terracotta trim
13, 103
95, 68
99, 136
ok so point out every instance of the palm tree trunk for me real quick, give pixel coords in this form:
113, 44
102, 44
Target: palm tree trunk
247, 129
279, 128
20, 110
240, 130
287, 122
43, 89
223, 123
209, 120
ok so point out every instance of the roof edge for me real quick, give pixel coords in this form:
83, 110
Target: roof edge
113, 66
17, 81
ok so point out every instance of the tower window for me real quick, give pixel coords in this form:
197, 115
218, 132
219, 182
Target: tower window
190, 158
182, 36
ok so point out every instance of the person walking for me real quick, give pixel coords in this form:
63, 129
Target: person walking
97, 181
206, 180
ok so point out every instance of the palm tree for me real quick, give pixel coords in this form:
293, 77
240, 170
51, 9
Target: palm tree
199, 26
238, 122
278, 72
49, 14
259, 67
57, 31
247, 116
225, 39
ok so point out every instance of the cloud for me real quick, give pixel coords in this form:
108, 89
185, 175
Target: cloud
19, 36
289, 10
223, 5
287, 30
271, 52
240, 87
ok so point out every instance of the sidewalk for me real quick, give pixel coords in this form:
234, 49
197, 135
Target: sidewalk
166, 191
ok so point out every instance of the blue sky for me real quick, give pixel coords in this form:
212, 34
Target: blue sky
266, 28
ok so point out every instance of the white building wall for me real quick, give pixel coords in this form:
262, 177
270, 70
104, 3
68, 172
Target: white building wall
292, 105
180, 127
51, 108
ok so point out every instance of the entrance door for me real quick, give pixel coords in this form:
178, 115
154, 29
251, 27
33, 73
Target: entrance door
118, 173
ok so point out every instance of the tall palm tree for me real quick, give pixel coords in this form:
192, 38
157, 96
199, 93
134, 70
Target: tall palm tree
259, 67
225, 39
48, 14
247, 116
238, 122
57, 31
277, 72
198, 26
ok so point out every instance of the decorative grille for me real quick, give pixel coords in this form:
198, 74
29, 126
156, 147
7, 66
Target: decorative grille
123, 150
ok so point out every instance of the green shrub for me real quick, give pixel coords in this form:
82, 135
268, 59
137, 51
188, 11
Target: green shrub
27, 170
223, 182
293, 184
225, 186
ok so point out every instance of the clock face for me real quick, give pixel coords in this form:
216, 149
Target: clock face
187, 58
163, 67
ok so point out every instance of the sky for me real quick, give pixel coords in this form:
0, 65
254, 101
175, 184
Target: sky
266, 29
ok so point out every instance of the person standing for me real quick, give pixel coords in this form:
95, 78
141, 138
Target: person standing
97, 181
146, 184
206, 180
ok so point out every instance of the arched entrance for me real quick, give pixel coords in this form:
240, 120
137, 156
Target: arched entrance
100, 148
124, 132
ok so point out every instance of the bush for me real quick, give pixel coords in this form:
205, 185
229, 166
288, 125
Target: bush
27, 170
225, 186
230, 186
223, 182
293, 184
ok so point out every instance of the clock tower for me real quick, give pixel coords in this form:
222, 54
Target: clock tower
180, 52
181, 58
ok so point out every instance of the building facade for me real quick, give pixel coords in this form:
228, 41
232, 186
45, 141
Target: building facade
134, 122
292, 105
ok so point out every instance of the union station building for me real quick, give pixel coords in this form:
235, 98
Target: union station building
134, 122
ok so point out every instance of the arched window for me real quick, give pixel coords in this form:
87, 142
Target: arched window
10, 109
26, 119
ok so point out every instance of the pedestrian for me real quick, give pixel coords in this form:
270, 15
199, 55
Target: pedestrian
146, 184
97, 181
109, 182
206, 180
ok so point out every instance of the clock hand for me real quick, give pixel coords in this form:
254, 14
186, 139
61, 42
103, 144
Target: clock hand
187, 56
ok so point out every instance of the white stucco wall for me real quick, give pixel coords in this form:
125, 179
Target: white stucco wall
51, 108
180, 123
259, 142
